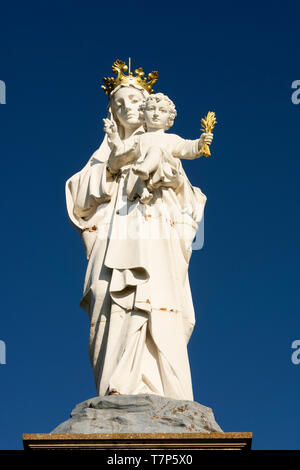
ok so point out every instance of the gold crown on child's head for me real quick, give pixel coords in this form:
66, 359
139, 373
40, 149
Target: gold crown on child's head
139, 79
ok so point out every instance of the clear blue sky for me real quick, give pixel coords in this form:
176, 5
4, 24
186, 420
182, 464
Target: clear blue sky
236, 58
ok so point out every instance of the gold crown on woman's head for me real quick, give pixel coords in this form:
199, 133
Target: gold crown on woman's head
120, 67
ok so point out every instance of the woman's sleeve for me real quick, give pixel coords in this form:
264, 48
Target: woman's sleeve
87, 189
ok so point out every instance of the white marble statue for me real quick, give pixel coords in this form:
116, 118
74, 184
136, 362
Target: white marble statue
136, 289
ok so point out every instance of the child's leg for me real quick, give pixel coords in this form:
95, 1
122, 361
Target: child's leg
149, 164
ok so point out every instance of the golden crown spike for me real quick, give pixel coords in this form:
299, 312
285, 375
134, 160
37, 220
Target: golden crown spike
119, 67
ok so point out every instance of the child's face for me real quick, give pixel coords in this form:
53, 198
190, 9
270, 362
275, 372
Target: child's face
157, 114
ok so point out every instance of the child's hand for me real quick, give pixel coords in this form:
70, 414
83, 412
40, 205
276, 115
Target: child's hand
206, 138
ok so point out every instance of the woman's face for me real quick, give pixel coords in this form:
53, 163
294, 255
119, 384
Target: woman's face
125, 105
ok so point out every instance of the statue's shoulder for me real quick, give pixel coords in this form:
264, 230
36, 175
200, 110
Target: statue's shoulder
172, 137
174, 140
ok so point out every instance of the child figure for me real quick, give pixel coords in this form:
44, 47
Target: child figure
156, 152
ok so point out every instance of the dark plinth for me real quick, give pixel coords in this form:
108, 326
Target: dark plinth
140, 441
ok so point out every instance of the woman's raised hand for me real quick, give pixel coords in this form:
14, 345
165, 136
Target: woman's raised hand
110, 127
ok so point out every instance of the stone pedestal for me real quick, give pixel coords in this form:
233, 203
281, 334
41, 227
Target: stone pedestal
140, 441
138, 422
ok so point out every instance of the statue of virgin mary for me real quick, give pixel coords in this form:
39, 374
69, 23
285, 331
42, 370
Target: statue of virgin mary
136, 291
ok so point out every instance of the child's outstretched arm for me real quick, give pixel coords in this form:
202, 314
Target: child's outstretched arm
191, 149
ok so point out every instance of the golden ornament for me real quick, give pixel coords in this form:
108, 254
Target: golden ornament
208, 123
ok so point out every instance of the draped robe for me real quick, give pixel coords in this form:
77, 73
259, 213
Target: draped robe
136, 290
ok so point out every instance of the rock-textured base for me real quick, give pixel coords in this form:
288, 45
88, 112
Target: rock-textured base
139, 414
